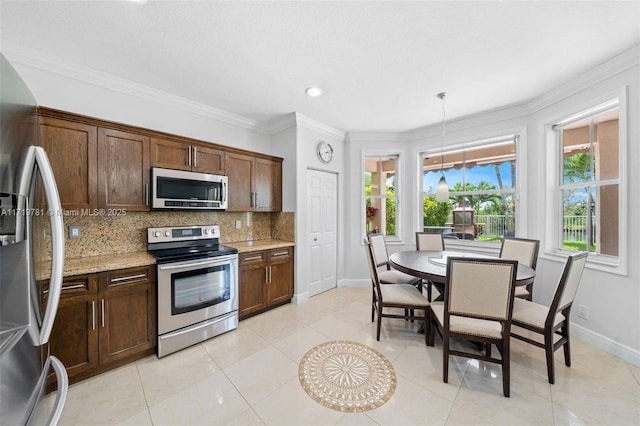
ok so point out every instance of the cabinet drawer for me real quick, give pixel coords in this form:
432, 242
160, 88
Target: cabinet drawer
284, 253
74, 286
252, 257
123, 277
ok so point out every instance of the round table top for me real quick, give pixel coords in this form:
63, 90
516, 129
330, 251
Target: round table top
432, 265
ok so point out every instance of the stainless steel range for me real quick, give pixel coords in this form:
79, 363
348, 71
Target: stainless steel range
197, 285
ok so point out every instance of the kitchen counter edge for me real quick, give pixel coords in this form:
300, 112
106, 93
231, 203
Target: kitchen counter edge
248, 246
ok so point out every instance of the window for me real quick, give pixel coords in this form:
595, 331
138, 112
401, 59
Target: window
588, 150
482, 186
381, 202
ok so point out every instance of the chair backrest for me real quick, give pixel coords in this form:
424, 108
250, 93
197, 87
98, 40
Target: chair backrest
480, 288
568, 284
373, 270
523, 250
429, 241
379, 250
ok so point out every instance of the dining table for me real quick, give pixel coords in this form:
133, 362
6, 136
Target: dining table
432, 266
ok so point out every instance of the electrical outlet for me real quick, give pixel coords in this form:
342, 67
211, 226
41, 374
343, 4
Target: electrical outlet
583, 312
74, 232
238, 224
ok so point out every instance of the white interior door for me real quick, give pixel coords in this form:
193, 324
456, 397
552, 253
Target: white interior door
322, 211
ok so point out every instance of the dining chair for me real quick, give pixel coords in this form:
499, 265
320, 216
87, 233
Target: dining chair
552, 321
524, 251
429, 241
403, 296
381, 259
478, 303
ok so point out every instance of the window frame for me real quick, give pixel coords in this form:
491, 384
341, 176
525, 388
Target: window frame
554, 185
394, 239
520, 214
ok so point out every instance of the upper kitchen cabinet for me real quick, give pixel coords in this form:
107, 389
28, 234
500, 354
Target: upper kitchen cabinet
123, 170
171, 154
72, 149
255, 183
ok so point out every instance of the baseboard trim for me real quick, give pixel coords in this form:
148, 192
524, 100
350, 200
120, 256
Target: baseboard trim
300, 298
608, 345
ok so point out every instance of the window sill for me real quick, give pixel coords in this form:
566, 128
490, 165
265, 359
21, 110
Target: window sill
598, 263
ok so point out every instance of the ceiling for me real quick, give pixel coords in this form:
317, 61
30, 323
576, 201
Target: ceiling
380, 64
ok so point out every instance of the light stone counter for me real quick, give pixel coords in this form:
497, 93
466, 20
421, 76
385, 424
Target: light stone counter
92, 264
247, 246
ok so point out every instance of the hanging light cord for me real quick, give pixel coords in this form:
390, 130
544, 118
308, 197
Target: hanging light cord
444, 131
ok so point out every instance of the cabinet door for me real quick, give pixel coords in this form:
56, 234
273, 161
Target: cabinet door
208, 160
123, 172
268, 185
74, 338
127, 313
72, 149
251, 282
240, 170
280, 279
170, 154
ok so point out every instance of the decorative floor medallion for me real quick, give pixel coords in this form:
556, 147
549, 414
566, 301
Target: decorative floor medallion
347, 376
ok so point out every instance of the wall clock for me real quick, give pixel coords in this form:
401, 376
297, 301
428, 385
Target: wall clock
324, 151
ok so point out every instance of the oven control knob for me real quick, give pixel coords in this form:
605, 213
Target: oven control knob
156, 234
167, 233
206, 231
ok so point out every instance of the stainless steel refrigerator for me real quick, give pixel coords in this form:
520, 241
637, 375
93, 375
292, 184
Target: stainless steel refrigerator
29, 237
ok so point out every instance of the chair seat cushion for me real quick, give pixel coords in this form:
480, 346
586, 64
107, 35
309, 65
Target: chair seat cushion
521, 291
402, 294
396, 277
468, 326
532, 314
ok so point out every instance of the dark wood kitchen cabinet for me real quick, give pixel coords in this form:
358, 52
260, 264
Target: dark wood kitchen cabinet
255, 183
266, 280
104, 320
96, 166
172, 154
72, 149
123, 170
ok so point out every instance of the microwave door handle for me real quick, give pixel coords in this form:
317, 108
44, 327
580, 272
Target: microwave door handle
57, 242
224, 192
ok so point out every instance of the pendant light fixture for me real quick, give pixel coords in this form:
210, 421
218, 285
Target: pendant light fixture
442, 193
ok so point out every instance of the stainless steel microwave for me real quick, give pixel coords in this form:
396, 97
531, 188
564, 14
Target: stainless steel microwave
182, 190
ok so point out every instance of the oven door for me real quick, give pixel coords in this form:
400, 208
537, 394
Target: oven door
196, 290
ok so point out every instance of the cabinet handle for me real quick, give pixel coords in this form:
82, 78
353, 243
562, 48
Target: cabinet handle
282, 253
122, 280
252, 258
93, 314
255, 199
269, 274
66, 287
189, 156
195, 156
146, 194
102, 312
266, 274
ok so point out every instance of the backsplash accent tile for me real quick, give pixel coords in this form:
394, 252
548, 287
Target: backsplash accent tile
128, 233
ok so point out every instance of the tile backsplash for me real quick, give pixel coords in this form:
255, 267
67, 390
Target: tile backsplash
128, 233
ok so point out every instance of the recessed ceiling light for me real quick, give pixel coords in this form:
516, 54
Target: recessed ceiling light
314, 91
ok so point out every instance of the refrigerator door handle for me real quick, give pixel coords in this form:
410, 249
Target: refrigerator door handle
36, 156
63, 387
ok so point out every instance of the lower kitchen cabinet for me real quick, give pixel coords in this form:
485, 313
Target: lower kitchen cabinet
104, 320
266, 280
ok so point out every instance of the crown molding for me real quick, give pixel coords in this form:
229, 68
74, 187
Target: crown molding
39, 60
311, 124
378, 137
620, 63
277, 125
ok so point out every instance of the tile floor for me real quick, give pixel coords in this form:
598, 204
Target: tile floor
249, 377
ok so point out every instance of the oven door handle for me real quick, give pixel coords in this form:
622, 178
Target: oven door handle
191, 265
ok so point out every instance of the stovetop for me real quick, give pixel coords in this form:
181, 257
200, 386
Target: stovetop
172, 244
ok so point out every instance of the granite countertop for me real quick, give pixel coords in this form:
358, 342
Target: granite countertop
110, 262
92, 264
247, 246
